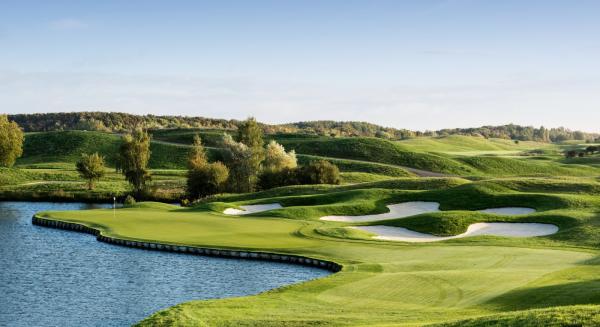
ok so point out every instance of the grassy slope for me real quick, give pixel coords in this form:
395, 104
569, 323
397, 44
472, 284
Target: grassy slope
210, 137
552, 317
348, 165
376, 150
457, 155
469, 144
60, 182
67, 146
383, 282
47, 169
395, 153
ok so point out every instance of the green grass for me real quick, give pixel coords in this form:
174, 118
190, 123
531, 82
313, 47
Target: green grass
356, 177
552, 317
375, 150
498, 166
477, 281
61, 182
210, 137
358, 150
67, 147
470, 144
346, 165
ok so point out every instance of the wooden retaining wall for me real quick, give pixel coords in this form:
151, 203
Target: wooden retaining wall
224, 253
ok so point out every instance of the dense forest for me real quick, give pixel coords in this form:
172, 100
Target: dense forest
121, 122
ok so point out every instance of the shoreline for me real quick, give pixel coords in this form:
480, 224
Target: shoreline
17, 196
194, 250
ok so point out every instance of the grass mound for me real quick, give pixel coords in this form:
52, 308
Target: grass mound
210, 137
457, 222
498, 166
67, 147
376, 150
397, 183
356, 177
346, 165
463, 143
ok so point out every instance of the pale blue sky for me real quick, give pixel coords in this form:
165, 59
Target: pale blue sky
407, 64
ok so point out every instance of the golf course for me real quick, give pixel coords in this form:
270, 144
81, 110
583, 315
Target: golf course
268, 163
475, 281
455, 230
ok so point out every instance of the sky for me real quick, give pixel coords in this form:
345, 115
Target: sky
421, 65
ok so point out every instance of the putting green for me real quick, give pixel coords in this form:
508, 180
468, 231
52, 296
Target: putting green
382, 283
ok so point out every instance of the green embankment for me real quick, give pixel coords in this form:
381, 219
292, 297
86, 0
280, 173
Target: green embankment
470, 145
46, 171
375, 150
478, 281
359, 149
453, 155
552, 317
67, 146
210, 137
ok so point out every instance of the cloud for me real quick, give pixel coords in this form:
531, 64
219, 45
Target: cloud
68, 24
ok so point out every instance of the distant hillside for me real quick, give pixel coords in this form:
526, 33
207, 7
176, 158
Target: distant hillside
67, 146
119, 122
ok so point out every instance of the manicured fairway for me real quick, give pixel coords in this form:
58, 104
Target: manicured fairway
382, 283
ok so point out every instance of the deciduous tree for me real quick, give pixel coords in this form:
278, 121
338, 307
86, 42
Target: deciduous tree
277, 159
206, 180
251, 135
134, 155
91, 168
238, 158
11, 142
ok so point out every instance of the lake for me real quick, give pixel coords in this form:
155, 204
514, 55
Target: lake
51, 277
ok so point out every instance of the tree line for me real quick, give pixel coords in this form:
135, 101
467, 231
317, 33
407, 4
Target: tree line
246, 165
122, 122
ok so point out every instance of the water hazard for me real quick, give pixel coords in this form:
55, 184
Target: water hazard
51, 277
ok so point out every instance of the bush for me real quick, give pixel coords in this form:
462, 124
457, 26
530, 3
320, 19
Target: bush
129, 201
206, 180
270, 179
319, 172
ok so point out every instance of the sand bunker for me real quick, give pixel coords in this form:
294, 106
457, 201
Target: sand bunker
389, 233
509, 211
399, 210
252, 208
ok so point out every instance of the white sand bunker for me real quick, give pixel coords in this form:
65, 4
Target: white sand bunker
252, 208
509, 211
399, 210
389, 233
